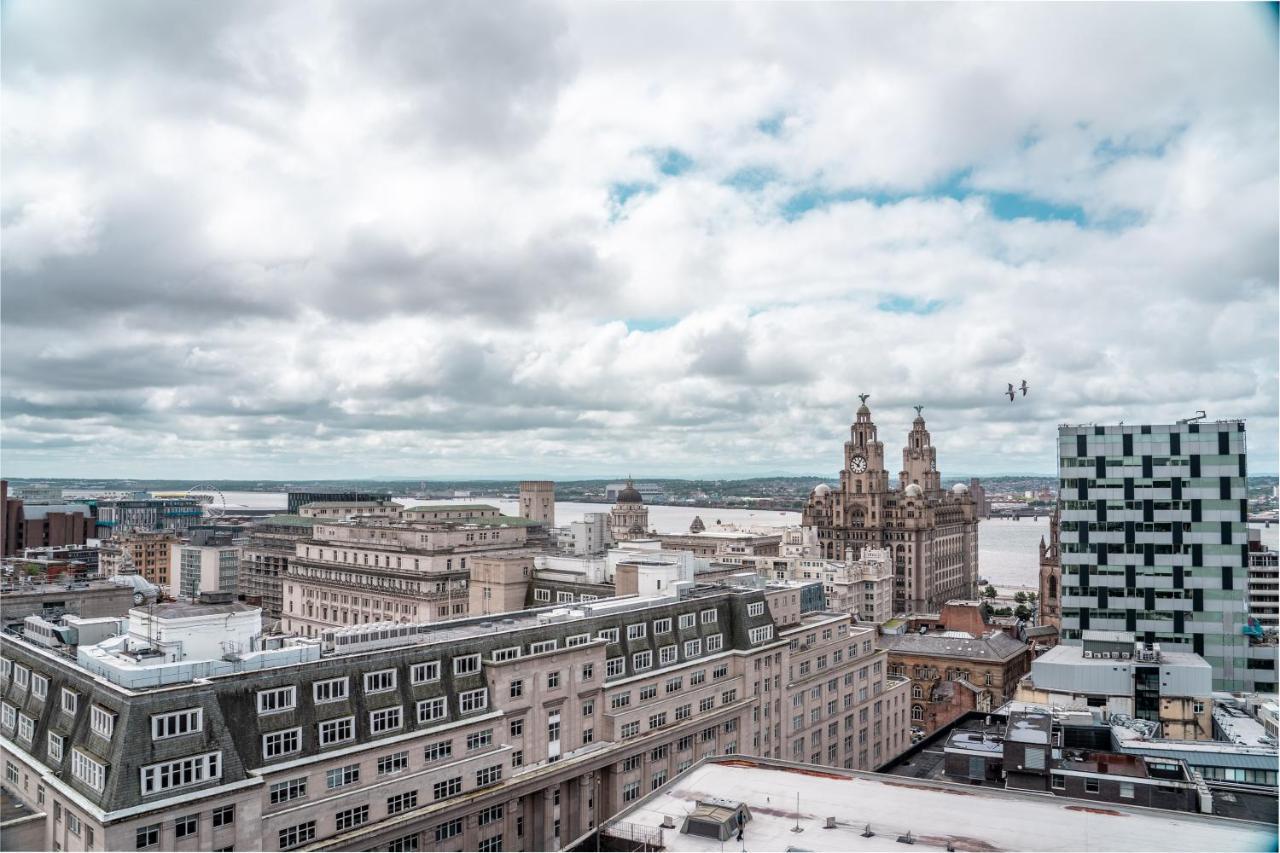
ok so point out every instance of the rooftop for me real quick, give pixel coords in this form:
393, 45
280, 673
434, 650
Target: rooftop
995, 646
934, 814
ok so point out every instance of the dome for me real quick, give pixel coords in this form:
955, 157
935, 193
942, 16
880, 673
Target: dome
630, 495
959, 489
913, 490
821, 490
697, 526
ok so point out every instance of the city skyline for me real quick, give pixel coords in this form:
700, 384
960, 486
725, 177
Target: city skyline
249, 241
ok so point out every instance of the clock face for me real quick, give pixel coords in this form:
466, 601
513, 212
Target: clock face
858, 464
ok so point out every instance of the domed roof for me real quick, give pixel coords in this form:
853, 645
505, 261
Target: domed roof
697, 526
959, 489
822, 490
913, 490
630, 495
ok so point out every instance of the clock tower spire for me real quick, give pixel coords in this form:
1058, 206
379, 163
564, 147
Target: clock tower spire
864, 471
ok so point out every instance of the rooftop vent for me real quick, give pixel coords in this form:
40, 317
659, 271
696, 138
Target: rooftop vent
217, 597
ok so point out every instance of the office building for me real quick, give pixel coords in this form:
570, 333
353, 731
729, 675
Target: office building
520, 731
932, 533
265, 553
296, 500
1264, 582
592, 535
1154, 541
538, 501
147, 553
209, 561
125, 517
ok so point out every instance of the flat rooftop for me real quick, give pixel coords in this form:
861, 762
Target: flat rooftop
934, 813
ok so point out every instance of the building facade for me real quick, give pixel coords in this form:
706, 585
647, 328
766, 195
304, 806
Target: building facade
519, 733
1049, 602
629, 518
1264, 582
125, 517
1154, 541
268, 547
207, 562
932, 534
146, 553
538, 501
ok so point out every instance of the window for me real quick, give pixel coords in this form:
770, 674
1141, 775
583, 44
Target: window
351, 817
26, 728
147, 836
760, 635
517, 758
70, 700
489, 844
447, 788
696, 678
721, 671
451, 829
684, 744
636, 631
402, 802
386, 720
715, 642
610, 634
340, 730
55, 747
87, 770
473, 700
479, 740
488, 775
641, 660
589, 708
588, 671
438, 750
667, 655
706, 704
516, 728
692, 648
517, 688
553, 680
684, 712
649, 691
588, 735
659, 779
422, 673
404, 843
184, 826
614, 667
1126, 790
756, 608
619, 700
393, 763
662, 626
657, 721
292, 789
184, 772
432, 709
630, 792
21, 676
630, 729
278, 699
331, 690
340, 777
1091, 786
466, 665
177, 723
73, 824
296, 835
577, 640
709, 616
728, 696
490, 814
39, 686
380, 681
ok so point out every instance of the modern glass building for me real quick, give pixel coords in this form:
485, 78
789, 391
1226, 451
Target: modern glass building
1154, 541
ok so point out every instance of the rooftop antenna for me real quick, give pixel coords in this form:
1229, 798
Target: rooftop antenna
797, 828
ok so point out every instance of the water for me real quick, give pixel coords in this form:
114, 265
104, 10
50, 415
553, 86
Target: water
1008, 550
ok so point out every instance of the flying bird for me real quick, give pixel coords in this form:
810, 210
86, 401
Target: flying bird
1010, 392
1024, 387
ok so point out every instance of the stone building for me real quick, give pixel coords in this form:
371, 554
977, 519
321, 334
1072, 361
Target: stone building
264, 558
932, 533
629, 518
514, 733
538, 501
148, 553
953, 672
1050, 601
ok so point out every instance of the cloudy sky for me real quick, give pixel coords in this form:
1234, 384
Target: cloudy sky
299, 240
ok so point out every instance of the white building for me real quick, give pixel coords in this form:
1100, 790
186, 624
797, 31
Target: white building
208, 563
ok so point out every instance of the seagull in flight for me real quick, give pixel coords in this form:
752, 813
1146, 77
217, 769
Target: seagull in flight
1010, 392
1025, 387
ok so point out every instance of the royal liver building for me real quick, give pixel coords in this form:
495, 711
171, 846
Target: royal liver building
932, 534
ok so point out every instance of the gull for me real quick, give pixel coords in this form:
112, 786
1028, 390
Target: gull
1010, 392
1025, 387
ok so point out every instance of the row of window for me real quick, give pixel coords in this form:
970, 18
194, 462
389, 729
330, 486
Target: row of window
184, 827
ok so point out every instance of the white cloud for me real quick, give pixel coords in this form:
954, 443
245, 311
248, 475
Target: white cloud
295, 240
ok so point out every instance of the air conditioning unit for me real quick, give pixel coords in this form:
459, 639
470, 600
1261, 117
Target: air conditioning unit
1088, 653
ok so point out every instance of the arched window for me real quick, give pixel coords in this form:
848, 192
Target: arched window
916, 692
917, 713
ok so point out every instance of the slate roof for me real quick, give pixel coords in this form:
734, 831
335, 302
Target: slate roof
998, 646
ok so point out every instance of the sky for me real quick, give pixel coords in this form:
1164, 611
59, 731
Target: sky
380, 239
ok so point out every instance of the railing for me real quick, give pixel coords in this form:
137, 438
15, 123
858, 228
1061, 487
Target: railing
647, 836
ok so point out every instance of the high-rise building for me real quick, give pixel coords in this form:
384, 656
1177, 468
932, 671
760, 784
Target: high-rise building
1154, 541
207, 562
1264, 582
538, 501
931, 533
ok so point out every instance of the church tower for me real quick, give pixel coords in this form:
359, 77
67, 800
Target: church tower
920, 459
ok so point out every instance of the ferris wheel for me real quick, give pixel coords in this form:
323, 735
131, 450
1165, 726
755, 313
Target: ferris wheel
210, 497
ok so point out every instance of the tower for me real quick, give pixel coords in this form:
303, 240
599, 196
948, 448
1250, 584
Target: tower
920, 458
1051, 576
629, 518
538, 501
